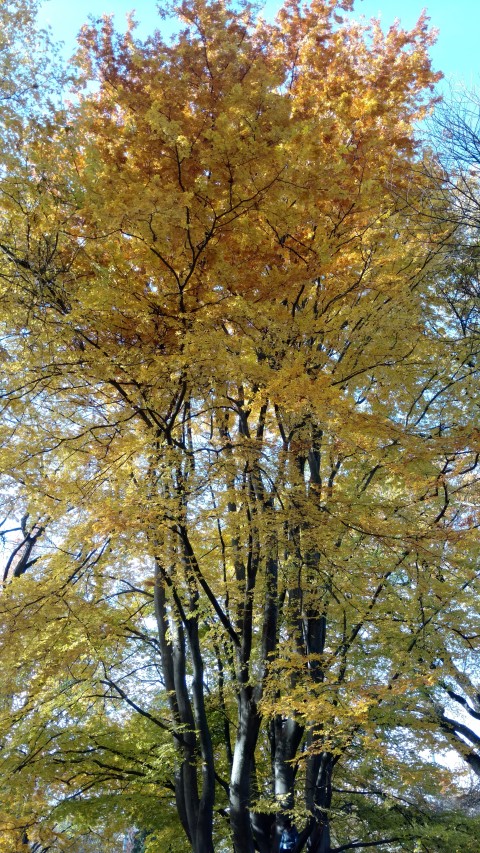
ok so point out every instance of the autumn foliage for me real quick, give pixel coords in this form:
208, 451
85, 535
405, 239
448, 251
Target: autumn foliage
238, 425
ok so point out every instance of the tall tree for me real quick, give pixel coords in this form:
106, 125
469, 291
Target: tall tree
453, 134
235, 400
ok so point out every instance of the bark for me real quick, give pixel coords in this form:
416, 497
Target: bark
318, 796
286, 738
241, 822
262, 827
19, 560
318, 781
172, 651
463, 738
204, 829
241, 776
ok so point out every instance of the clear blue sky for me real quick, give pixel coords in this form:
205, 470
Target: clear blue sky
457, 52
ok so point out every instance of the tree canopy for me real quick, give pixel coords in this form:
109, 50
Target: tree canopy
238, 445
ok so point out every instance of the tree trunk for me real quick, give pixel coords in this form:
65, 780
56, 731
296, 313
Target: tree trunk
241, 777
172, 650
286, 738
318, 798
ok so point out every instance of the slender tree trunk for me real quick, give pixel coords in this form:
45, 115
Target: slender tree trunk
204, 829
172, 650
318, 798
241, 777
287, 734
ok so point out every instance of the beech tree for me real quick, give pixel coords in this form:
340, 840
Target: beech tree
453, 133
238, 421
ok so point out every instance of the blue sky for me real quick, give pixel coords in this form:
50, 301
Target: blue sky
456, 54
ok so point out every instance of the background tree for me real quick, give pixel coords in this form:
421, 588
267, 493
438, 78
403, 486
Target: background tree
238, 406
453, 134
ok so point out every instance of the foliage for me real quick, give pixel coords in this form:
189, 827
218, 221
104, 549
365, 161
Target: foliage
238, 421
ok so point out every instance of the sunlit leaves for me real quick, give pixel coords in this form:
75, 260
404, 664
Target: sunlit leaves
230, 401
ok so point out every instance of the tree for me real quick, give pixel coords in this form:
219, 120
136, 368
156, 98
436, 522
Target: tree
235, 400
453, 134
